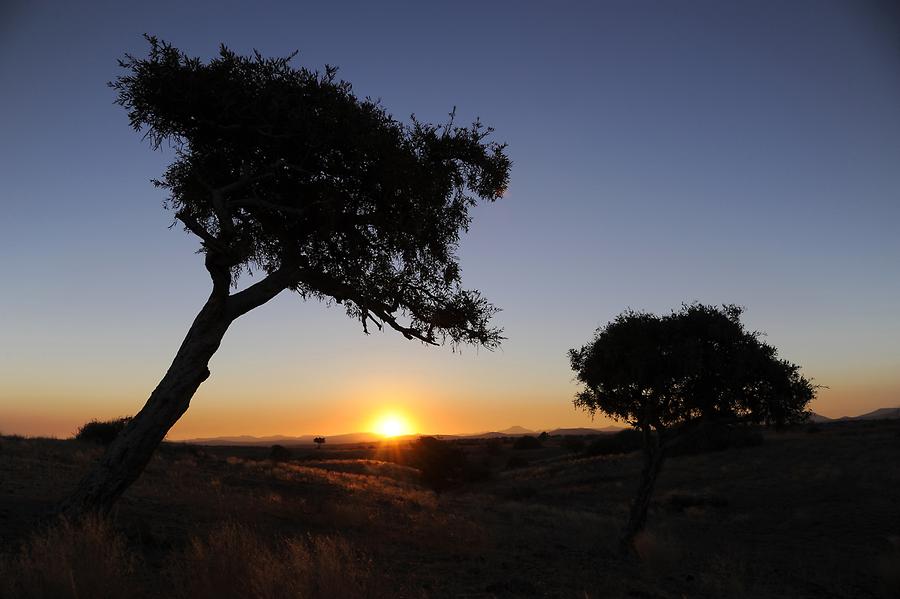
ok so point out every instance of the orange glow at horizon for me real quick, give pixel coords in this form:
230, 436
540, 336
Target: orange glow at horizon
392, 424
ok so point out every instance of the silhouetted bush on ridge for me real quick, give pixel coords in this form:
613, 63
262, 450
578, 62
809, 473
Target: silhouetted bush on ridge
444, 464
102, 432
280, 453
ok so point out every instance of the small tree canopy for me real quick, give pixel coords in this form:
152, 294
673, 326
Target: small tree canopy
696, 363
285, 170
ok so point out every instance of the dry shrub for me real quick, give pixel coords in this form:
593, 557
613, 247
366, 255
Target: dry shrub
234, 561
102, 432
87, 559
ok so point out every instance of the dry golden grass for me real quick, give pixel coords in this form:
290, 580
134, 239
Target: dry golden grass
236, 562
88, 559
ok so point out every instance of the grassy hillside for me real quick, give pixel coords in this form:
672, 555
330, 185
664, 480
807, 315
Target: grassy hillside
805, 514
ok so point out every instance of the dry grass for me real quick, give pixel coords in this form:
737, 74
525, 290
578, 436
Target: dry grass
88, 559
800, 516
237, 562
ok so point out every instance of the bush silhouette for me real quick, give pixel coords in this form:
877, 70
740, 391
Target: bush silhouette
527, 442
102, 432
441, 464
280, 453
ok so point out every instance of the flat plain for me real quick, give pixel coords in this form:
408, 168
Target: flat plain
813, 511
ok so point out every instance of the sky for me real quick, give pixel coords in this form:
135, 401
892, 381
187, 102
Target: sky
663, 152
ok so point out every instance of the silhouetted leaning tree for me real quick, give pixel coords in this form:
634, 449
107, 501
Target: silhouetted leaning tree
285, 173
666, 375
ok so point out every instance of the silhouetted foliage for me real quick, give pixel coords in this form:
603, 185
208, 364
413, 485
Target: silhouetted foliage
543, 436
285, 173
665, 375
441, 464
102, 432
280, 453
319, 441
527, 442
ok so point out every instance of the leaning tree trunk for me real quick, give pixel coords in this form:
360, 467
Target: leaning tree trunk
130, 452
654, 454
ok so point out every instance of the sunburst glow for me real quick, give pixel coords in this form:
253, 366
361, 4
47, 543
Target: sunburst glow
392, 425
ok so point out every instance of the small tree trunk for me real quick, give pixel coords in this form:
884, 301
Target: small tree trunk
130, 452
654, 454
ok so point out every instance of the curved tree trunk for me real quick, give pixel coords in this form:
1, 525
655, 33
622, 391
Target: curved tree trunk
654, 455
130, 452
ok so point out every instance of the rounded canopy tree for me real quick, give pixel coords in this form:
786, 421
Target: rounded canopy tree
665, 375
284, 173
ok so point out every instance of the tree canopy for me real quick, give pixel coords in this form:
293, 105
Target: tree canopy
699, 362
284, 170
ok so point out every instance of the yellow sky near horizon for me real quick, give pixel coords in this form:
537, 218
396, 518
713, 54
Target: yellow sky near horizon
215, 413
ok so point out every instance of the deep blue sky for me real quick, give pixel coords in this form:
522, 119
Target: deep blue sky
663, 152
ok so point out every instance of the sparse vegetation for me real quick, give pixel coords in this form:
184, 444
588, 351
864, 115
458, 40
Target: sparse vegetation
442, 464
237, 562
85, 559
719, 527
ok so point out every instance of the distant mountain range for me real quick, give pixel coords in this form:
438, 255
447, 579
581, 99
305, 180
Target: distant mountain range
513, 431
879, 414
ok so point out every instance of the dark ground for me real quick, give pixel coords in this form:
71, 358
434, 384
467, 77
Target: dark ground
805, 514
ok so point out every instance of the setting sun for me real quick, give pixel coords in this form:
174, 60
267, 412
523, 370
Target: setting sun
392, 425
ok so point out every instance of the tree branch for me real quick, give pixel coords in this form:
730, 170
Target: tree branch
194, 226
260, 292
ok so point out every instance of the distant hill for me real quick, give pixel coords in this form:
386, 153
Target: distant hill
813, 417
879, 414
517, 430
513, 431
584, 431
